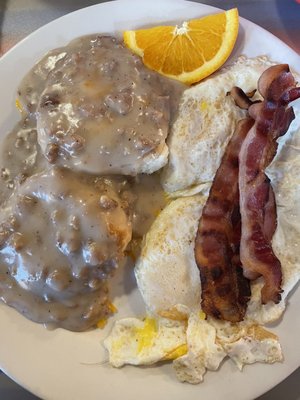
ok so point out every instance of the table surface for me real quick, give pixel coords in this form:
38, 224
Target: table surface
18, 18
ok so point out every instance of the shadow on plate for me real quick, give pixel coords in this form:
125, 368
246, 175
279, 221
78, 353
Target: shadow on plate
2, 13
287, 390
9, 390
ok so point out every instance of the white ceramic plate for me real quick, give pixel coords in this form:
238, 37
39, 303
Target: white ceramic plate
61, 365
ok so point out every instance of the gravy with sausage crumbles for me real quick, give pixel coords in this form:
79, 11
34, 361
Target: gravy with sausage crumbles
92, 115
101, 110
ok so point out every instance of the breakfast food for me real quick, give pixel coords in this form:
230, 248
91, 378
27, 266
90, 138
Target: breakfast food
88, 109
61, 237
167, 271
272, 118
188, 52
98, 109
235, 231
91, 109
169, 281
188, 171
225, 291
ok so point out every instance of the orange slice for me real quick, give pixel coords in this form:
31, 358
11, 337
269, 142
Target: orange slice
189, 52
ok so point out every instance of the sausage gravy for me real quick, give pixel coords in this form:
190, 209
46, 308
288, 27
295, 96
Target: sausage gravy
74, 192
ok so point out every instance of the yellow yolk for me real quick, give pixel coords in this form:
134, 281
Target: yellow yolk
112, 308
146, 334
144, 342
202, 315
180, 351
203, 106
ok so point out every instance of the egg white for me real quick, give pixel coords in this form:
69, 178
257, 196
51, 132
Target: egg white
206, 121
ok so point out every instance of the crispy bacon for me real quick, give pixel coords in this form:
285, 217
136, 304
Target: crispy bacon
225, 291
272, 119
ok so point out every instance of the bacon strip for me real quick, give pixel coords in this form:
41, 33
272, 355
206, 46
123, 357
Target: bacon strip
225, 291
257, 205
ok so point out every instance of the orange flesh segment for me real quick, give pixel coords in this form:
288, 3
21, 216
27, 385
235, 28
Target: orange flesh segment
189, 52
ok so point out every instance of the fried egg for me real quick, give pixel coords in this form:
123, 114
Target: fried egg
175, 328
166, 272
206, 121
195, 345
209, 342
145, 342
